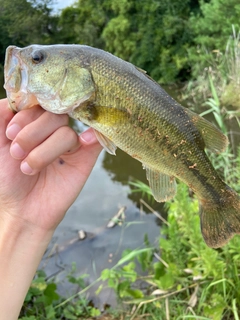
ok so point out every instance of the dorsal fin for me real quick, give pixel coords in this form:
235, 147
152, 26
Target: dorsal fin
213, 138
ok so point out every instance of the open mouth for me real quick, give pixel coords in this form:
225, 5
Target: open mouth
16, 81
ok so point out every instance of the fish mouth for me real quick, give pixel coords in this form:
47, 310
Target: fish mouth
16, 81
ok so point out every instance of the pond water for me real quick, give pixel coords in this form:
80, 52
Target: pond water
105, 192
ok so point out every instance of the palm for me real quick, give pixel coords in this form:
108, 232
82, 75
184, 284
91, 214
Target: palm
52, 190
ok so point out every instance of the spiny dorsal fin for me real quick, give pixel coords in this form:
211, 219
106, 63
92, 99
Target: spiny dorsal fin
163, 186
213, 138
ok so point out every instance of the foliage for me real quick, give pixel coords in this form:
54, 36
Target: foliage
186, 279
172, 40
43, 302
212, 27
83, 23
221, 72
153, 35
226, 162
25, 22
215, 82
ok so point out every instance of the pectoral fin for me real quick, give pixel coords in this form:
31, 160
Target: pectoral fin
163, 186
106, 143
213, 138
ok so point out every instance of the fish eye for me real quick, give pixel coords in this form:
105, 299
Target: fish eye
38, 56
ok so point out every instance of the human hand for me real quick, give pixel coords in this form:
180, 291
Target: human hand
56, 163
60, 163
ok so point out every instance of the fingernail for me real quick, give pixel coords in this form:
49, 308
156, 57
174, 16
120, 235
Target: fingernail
16, 151
12, 131
25, 168
88, 136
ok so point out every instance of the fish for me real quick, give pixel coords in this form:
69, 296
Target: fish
129, 110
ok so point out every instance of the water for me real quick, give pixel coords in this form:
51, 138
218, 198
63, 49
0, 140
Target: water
104, 193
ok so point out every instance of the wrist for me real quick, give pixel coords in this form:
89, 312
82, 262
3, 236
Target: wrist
22, 246
16, 228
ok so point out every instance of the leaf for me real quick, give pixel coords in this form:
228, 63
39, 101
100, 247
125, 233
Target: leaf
158, 292
131, 255
167, 281
50, 294
50, 312
106, 274
69, 315
95, 312
99, 289
193, 299
135, 293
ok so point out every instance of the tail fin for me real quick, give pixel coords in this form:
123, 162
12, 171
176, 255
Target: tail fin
220, 220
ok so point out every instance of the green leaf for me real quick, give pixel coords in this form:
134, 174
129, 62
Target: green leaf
135, 293
131, 256
95, 312
50, 293
50, 312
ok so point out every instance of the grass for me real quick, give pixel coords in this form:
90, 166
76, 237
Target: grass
223, 68
185, 278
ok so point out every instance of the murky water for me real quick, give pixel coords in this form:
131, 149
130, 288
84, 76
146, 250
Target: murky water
101, 198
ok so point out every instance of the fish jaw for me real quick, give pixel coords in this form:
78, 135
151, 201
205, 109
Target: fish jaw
16, 81
58, 83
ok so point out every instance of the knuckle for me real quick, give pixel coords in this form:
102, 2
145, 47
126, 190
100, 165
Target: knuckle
24, 139
57, 119
28, 115
68, 134
35, 160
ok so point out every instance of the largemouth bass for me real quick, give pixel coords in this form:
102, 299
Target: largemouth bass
131, 111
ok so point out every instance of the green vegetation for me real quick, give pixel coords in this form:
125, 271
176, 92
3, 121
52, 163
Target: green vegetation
187, 279
174, 41
183, 278
43, 302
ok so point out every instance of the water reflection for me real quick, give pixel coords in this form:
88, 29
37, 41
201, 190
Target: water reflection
123, 168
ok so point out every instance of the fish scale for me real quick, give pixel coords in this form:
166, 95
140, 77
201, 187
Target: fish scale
129, 110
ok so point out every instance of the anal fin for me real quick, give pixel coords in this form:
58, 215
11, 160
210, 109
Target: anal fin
106, 143
163, 186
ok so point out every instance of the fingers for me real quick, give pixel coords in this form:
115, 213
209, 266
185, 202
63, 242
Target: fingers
88, 137
6, 116
27, 135
25, 119
63, 145
61, 141
40, 137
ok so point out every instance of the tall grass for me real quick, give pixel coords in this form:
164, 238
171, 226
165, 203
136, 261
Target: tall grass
224, 70
226, 162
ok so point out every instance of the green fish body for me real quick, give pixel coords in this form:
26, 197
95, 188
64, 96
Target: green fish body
131, 111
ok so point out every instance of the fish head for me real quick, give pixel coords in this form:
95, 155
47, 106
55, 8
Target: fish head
56, 77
